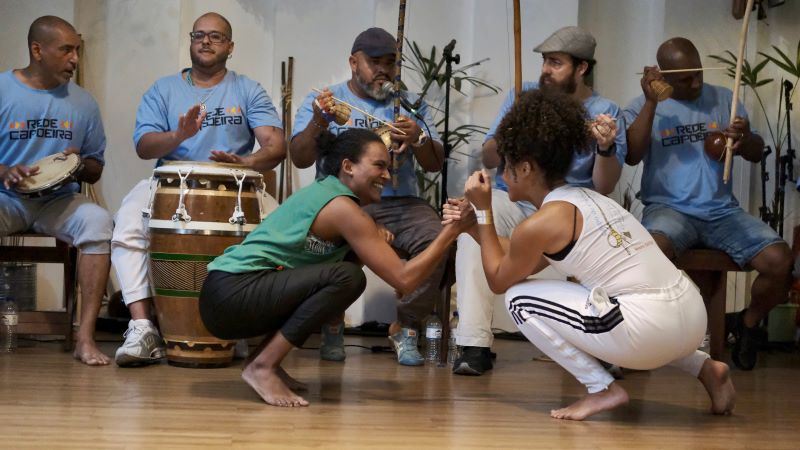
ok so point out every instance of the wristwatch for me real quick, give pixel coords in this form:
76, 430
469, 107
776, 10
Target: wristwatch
423, 139
607, 152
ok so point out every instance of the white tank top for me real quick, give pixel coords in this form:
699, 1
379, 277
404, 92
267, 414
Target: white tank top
614, 251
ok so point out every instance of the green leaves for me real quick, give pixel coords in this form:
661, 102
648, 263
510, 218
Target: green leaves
749, 73
784, 62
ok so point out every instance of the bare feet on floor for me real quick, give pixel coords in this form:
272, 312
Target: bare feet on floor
592, 404
86, 351
716, 378
269, 385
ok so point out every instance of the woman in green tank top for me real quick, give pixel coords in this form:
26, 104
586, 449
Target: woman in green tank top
301, 267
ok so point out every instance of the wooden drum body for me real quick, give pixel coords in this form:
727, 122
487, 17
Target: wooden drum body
196, 211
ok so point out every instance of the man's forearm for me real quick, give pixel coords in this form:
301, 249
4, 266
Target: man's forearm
158, 144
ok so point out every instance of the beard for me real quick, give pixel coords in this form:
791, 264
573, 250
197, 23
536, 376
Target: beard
378, 93
568, 86
206, 63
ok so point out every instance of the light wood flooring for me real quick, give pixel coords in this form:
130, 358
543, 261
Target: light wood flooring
47, 400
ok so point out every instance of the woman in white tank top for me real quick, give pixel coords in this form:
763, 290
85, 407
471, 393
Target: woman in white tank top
630, 306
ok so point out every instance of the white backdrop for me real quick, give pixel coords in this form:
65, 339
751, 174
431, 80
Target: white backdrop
131, 43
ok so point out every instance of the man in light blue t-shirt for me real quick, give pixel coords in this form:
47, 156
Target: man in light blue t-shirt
412, 221
686, 202
205, 112
41, 114
568, 58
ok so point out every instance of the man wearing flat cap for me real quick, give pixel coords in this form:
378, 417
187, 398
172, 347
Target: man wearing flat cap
568, 58
409, 220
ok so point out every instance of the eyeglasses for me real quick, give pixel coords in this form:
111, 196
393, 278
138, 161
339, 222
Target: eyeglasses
214, 36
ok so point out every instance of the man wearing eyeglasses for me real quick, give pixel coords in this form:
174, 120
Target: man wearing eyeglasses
205, 112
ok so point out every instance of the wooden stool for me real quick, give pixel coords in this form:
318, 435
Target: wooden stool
708, 269
47, 322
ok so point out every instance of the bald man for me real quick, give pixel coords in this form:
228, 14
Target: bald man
48, 115
205, 112
686, 203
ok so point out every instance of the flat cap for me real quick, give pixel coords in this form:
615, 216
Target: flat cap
375, 42
571, 40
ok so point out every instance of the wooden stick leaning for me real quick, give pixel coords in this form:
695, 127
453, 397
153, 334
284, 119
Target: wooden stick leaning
517, 49
287, 126
726, 174
394, 128
401, 24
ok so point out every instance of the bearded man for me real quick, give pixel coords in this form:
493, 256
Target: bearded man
205, 112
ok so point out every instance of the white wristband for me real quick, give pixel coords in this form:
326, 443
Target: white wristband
484, 216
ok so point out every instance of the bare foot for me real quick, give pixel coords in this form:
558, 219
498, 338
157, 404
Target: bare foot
716, 378
270, 387
291, 382
593, 403
86, 351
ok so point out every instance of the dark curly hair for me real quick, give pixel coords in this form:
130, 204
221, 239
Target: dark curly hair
350, 144
545, 128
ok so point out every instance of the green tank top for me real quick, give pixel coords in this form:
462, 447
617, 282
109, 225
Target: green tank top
283, 239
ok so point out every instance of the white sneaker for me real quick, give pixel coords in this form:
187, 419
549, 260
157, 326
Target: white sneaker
143, 345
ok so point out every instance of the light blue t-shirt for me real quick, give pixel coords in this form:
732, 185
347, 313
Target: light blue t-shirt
580, 172
384, 110
37, 123
235, 107
677, 172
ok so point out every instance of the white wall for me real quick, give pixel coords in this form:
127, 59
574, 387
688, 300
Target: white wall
131, 43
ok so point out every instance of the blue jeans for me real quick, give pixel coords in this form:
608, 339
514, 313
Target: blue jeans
738, 234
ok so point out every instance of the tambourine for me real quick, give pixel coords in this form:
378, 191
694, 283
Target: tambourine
55, 171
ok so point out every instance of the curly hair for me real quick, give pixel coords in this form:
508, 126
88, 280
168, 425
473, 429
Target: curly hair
545, 128
350, 145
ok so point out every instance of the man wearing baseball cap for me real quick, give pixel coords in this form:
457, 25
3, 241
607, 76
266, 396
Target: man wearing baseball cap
408, 219
568, 59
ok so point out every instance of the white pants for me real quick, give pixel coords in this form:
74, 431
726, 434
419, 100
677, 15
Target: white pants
646, 330
130, 243
474, 299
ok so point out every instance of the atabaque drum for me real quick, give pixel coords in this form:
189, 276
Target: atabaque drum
55, 171
196, 211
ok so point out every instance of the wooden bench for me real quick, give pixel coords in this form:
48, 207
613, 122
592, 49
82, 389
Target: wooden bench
708, 269
47, 322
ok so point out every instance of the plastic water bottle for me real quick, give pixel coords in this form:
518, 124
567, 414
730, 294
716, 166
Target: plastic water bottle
8, 326
453, 352
433, 337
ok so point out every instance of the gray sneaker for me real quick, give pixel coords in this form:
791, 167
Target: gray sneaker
143, 345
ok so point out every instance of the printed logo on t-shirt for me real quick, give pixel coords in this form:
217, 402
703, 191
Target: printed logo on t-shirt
40, 128
690, 133
359, 122
217, 117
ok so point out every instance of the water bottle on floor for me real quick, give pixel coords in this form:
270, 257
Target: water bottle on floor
433, 338
8, 325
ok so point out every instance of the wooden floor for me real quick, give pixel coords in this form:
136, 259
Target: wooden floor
49, 401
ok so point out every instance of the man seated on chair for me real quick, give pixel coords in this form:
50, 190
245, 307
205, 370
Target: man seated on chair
42, 114
568, 59
409, 218
686, 202
205, 112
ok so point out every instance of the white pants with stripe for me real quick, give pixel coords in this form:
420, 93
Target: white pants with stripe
646, 330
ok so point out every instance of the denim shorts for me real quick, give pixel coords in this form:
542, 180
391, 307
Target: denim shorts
738, 234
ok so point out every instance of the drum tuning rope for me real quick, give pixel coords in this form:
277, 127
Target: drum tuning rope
180, 213
238, 215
